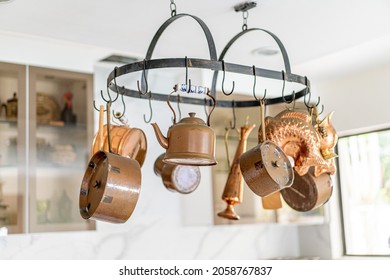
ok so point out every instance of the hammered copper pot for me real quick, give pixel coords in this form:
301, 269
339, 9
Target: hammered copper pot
125, 141
110, 188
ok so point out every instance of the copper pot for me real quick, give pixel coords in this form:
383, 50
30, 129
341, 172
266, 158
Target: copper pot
125, 141
177, 178
308, 192
110, 188
266, 169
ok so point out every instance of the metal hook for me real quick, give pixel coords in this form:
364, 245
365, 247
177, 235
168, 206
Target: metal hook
94, 102
233, 123
150, 108
145, 80
307, 103
254, 86
117, 115
227, 130
292, 100
178, 105
283, 87
254, 82
322, 109
205, 108
116, 87
223, 81
170, 107
188, 81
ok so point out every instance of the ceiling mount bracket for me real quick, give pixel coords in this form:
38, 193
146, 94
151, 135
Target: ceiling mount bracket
245, 6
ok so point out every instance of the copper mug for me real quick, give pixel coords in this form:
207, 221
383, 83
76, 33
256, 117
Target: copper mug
110, 188
125, 141
177, 178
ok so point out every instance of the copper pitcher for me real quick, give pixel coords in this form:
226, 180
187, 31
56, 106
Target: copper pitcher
233, 191
189, 142
177, 178
110, 188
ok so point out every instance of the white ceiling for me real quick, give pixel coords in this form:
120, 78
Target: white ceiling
309, 29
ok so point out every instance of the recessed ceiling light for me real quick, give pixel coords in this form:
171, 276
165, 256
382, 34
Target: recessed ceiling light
266, 51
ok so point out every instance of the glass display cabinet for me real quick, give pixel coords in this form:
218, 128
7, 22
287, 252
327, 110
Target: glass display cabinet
46, 131
12, 147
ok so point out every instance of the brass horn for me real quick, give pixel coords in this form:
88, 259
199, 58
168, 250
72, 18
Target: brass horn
233, 191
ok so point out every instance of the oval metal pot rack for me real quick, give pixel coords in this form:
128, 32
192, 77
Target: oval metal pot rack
214, 63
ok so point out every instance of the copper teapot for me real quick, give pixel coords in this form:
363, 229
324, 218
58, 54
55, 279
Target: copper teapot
189, 142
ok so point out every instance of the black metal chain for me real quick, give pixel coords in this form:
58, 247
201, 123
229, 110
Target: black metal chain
173, 8
245, 15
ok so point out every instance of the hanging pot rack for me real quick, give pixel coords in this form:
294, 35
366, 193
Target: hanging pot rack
215, 64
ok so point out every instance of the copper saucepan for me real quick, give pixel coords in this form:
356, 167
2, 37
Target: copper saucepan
125, 141
308, 192
110, 188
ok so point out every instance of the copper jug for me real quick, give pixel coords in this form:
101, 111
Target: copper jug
233, 191
183, 179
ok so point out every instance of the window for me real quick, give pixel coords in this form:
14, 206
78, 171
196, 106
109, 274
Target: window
364, 176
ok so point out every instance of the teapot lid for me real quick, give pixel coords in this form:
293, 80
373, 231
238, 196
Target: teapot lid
192, 119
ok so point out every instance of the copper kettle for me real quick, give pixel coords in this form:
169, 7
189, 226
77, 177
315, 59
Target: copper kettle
189, 142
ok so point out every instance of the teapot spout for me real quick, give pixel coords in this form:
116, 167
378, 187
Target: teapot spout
160, 137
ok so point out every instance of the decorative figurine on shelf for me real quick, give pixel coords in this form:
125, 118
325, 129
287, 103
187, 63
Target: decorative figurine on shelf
11, 108
67, 115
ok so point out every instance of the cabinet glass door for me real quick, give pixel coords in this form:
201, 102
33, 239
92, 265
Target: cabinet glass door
12, 147
60, 144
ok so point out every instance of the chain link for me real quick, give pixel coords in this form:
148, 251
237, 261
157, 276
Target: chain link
245, 15
173, 8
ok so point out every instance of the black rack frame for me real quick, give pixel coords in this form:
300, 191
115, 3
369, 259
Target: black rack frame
212, 64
